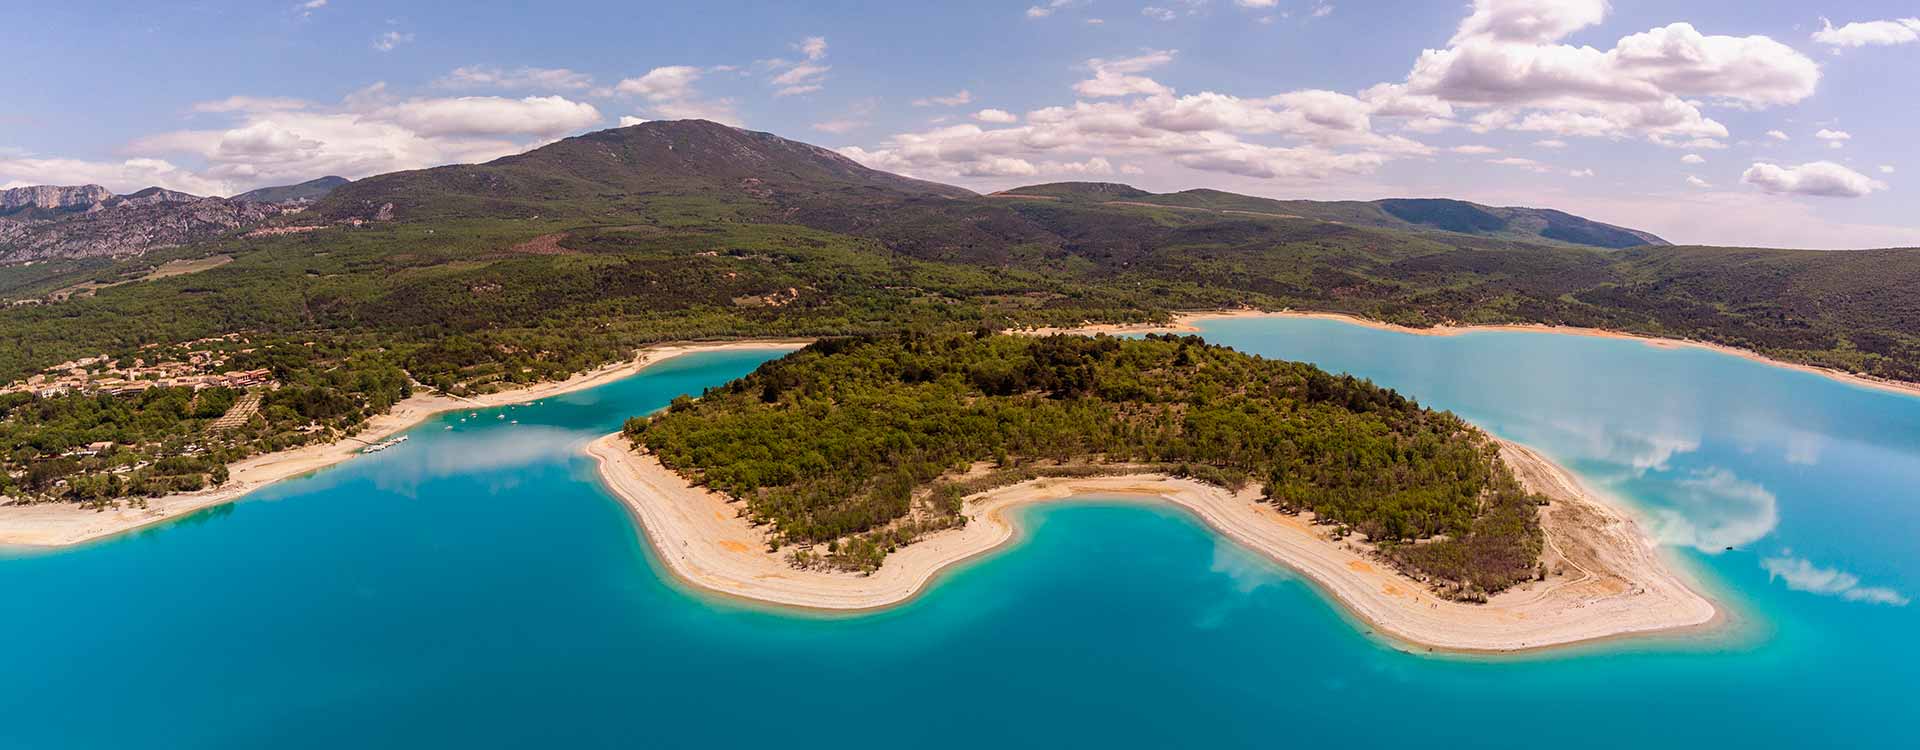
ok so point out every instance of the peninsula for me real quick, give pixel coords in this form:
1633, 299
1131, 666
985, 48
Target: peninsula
847, 476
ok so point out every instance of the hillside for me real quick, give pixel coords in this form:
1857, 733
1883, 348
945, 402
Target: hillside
311, 190
852, 448
1404, 214
76, 223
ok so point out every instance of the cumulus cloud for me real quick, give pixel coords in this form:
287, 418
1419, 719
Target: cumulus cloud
1303, 135
543, 116
804, 76
1886, 169
1820, 178
1118, 77
1693, 181
1779, 135
1507, 59
671, 94
1834, 138
1580, 173
1474, 149
627, 121
954, 99
119, 176
1693, 159
1863, 33
1802, 575
270, 141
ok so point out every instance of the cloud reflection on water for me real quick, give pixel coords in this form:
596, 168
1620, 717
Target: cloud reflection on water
1802, 575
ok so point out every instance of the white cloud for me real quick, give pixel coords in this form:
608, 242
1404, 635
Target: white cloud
1863, 33
392, 39
274, 141
996, 116
627, 121
1296, 135
1579, 173
1821, 178
1042, 11
543, 116
1322, 10
1116, 77
1834, 138
1693, 159
1694, 181
1520, 162
548, 79
955, 99
307, 8
1802, 575
1886, 169
662, 84
1778, 135
1158, 14
792, 78
840, 126
1474, 149
1551, 143
119, 176
671, 94
1256, 3
1507, 59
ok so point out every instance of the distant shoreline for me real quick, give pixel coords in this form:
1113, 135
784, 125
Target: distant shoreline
1187, 322
55, 525
1613, 583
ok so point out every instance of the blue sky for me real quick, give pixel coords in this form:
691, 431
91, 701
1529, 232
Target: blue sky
1710, 121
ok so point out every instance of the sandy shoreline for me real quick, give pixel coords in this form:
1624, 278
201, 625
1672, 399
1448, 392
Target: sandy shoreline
1613, 581
1188, 323
62, 524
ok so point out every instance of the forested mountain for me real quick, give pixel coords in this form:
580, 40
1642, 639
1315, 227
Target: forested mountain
851, 448
1406, 214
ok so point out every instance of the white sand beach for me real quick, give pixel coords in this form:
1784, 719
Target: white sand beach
1612, 581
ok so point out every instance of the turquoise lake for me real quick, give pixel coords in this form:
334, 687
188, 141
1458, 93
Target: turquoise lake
475, 587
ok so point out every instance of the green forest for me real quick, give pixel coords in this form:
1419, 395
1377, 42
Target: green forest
854, 446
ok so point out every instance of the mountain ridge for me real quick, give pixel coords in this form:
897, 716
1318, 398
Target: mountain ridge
1417, 214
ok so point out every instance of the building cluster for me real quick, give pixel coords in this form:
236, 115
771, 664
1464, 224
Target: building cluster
103, 375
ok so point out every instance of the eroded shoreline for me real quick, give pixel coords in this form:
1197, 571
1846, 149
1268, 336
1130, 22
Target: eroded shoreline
52, 525
1612, 580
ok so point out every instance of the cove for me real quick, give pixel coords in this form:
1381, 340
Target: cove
476, 587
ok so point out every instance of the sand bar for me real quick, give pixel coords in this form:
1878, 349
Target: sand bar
1613, 582
1188, 322
63, 524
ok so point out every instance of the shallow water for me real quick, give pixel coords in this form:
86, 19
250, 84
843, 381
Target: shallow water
476, 587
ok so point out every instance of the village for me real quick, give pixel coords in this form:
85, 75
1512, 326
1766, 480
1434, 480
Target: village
101, 374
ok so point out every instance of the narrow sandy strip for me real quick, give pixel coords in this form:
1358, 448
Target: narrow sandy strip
63, 524
1189, 323
1612, 581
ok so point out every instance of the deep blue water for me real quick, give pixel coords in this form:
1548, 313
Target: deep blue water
476, 588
